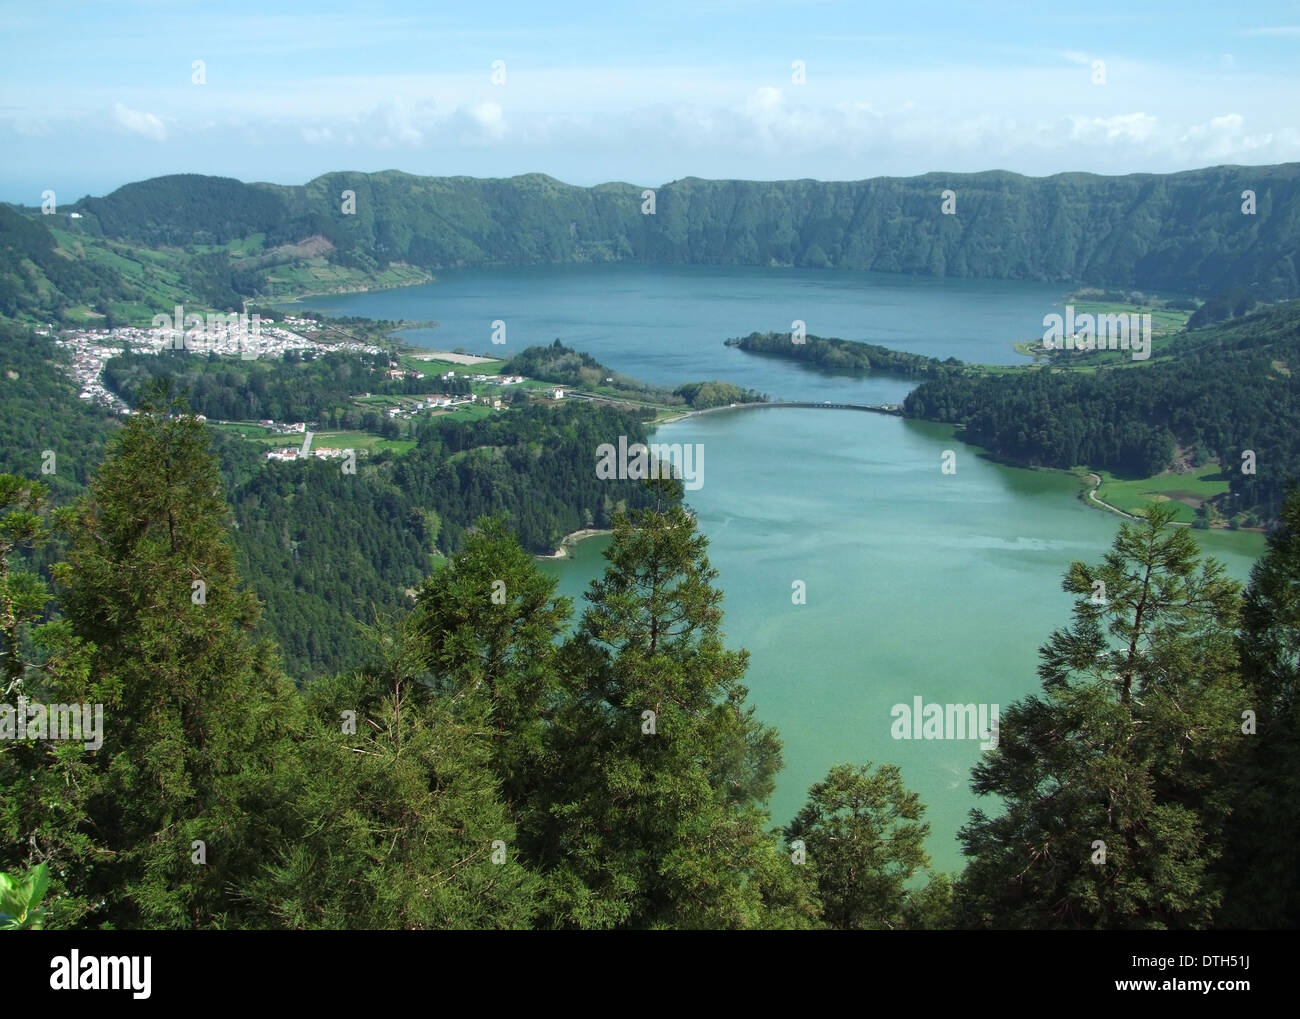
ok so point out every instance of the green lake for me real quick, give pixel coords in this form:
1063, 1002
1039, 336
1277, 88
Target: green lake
919, 584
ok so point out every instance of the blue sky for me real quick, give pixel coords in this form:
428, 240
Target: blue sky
93, 95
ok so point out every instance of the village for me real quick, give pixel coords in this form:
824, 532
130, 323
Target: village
89, 351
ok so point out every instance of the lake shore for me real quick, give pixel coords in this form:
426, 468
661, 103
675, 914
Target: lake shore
569, 540
298, 296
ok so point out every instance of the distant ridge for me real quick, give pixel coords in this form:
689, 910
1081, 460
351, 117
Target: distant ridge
1182, 232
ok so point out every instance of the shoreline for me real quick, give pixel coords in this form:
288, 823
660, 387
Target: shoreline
569, 540
1089, 482
361, 289
1090, 499
1095, 480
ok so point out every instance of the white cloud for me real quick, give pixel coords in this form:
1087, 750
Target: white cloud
139, 122
489, 117
1124, 127
1225, 139
590, 124
398, 121
765, 101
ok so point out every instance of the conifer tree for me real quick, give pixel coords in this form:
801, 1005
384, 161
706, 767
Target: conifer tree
1114, 779
22, 593
1262, 866
487, 624
44, 785
864, 838
195, 709
396, 819
659, 804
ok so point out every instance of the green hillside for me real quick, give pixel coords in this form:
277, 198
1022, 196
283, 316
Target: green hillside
1212, 395
1181, 232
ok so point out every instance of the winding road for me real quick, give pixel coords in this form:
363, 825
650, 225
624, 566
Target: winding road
1092, 497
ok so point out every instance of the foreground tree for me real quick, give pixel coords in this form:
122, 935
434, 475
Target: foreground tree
195, 709
1115, 778
44, 785
486, 626
661, 770
396, 819
1262, 866
22, 593
865, 839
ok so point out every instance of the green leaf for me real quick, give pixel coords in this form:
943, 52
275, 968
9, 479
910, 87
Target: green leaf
38, 881
12, 899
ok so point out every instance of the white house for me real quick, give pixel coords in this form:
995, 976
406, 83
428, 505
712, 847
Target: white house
558, 394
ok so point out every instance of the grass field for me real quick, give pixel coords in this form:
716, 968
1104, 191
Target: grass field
335, 440
245, 431
1188, 490
468, 412
437, 367
1166, 323
317, 274
359, 440
262, 436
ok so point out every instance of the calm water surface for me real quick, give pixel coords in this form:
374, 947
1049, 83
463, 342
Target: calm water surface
918, 583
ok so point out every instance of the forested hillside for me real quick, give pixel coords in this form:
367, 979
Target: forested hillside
318, 389
324, 549
841, 356
34, 277
1226, 389
1182, 232
502, 762
219, 242
42, 412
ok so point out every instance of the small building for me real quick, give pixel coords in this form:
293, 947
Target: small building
558, 394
